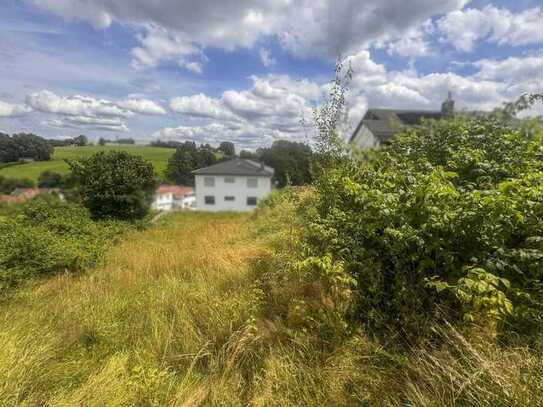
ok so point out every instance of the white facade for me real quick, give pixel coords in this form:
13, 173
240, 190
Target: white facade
163, 202
169, 198
364, 138
230, 192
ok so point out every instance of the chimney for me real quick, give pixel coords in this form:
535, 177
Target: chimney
447, 107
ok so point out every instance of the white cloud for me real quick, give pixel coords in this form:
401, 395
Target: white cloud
83, 123
12, 110
201, 105
304, 27
49, 102
464, 28
158, 45
142, 106
266, 57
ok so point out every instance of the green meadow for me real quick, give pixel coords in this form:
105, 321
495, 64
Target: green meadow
158, 156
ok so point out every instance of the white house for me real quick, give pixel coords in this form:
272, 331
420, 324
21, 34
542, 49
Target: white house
170, 197
235, 185
378, 126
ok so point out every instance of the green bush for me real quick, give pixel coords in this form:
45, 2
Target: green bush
46, 236
444, 223
115, 184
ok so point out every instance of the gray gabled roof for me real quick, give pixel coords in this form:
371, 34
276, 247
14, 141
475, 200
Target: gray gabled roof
237, 166
384, 123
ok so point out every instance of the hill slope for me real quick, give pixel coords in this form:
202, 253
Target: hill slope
158, 156
175, 317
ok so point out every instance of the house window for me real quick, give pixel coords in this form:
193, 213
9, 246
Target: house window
209, 181
229, 198
251, 201
229, 180
252, 182
209, 200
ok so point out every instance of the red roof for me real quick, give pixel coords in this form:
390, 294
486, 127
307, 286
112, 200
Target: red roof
8, 198
176, 190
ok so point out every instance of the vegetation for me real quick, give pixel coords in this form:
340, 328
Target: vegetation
8, 185
114, 184
176, 316
24, 146
157, 156
187, 158
50, 179
291, 161
47, 236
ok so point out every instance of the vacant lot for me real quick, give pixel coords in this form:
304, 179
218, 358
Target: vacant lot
158, 156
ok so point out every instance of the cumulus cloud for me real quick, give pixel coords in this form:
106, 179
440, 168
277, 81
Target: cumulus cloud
464, 28
91, 113
325, 28
49, 102
158, 45
272, 108
142, 106
12, 110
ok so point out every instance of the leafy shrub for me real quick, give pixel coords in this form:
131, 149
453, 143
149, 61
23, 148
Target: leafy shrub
8, 185
47, 236
115, 184
50, 179
444, 223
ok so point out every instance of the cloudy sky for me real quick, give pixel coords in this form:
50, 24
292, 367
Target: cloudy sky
250, 71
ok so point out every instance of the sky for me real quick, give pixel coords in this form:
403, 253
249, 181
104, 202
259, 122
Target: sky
251, 72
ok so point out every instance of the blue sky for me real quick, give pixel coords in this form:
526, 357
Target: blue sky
249, 71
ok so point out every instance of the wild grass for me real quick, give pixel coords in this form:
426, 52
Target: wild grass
158, 156
175, 317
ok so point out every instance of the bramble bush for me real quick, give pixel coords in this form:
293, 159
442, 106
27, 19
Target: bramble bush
46, 236
445, 223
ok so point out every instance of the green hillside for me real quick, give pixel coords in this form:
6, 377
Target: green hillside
158, 156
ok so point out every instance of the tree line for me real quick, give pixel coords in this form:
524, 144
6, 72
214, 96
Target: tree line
291, 161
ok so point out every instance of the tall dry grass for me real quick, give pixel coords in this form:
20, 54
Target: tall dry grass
174, 317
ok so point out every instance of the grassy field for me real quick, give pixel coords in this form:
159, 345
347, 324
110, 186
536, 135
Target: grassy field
174, 317
158, 156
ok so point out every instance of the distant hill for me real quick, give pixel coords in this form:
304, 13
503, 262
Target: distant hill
158, 156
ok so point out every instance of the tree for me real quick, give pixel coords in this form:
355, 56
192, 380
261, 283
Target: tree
50, 179
290, 160
115, 184
247, 154
81, 140
187, 158
102, 141
180, 166
227, 148
24, 146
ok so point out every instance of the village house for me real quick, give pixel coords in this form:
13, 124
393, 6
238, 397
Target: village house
172, 197
235, 185
25, 194
378, 126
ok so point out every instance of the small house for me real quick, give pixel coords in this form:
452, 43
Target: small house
234, 185
171, 197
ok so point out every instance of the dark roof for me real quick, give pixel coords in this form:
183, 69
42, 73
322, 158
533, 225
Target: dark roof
384, 123
237, 166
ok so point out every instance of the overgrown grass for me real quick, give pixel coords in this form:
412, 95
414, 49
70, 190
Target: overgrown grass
176, 316
158, 156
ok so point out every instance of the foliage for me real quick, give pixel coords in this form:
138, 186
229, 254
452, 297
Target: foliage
115, 184
291, 161
187, 158
46, 236
50, 179
24, 146
227, 148
8, 185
